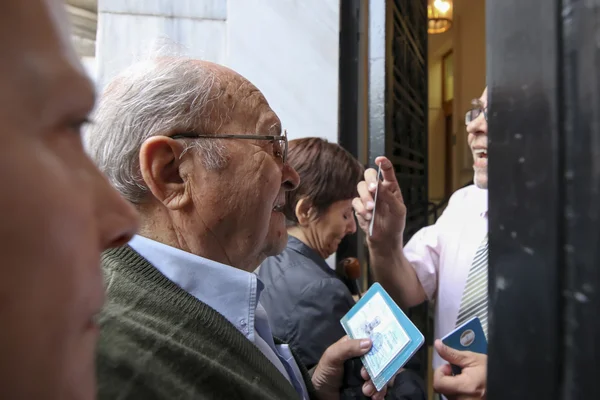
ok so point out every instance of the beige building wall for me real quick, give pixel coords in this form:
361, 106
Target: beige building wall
439, 45
467, 41
469, 78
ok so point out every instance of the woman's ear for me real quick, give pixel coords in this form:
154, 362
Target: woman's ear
304, 211
160, 165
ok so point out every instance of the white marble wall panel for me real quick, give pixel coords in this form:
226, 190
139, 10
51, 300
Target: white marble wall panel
89, 63
195, 9
123, 39
290, 50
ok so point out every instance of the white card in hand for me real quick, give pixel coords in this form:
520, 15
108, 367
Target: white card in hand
375, 202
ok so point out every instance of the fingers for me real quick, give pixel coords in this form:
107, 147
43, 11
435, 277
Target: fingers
471, 381
389, 191
365, 195
445, 383
389, 181
466, 385
364, 374
345, 349
393, 200
371, 179
362, 216
444, 370
453, 356
369, 390
389, 201
388, 173
379, 395
359, 208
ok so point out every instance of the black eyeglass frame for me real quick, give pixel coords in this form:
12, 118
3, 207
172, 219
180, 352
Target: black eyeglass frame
272, 138
468, 115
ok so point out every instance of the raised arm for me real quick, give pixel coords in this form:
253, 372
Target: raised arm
389, 265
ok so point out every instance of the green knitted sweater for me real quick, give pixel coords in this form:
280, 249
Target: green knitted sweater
159, 342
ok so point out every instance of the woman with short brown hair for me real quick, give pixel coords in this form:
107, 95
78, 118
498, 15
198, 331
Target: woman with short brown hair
303, 296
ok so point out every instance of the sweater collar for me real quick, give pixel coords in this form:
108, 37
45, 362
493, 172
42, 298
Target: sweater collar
230, 291
140, 286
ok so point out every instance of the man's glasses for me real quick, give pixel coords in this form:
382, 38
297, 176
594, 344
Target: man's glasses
280, 143
475, 112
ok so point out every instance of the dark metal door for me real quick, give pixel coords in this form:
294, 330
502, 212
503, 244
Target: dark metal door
350, 135
398, 98
398, 112
544, 173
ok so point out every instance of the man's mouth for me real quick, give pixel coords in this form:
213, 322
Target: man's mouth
93, 322
279, 207
480, 153
279, 202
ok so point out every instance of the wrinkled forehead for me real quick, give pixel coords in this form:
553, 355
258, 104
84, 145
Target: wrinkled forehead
37, 57
246, 104
481, 101
484, 97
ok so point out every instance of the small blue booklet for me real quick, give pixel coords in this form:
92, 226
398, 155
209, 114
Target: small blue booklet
395, 338
469, 336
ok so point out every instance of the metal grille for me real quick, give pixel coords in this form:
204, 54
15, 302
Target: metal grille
398, 113
406, 97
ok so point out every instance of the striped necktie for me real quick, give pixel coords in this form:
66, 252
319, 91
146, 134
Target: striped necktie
475, 297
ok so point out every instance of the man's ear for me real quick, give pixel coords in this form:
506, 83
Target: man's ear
160, 165
304, 211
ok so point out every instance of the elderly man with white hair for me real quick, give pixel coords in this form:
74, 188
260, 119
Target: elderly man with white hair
202, 156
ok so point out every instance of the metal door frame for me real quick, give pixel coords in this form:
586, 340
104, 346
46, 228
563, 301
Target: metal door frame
544, 172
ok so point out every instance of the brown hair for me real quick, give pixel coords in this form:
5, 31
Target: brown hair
328, 173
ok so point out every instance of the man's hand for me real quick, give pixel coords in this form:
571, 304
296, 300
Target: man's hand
327, 378
470, 384
390, 216
388, 263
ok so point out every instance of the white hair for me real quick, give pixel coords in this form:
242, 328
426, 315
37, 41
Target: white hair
151, 98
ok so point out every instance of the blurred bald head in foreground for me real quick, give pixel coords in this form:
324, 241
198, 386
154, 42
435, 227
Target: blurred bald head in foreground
58, 212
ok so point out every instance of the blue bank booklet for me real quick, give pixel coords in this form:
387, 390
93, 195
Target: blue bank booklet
395, 338
469, 336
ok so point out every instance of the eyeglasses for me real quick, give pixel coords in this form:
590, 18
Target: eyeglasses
280, 143
475, 112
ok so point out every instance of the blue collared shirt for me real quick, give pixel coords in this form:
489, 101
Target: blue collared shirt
230, 291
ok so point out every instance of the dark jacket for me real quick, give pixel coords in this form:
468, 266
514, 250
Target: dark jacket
304, 300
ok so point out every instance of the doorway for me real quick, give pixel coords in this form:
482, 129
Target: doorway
448, 107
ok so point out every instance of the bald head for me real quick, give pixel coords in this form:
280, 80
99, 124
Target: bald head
57, 211
216, 201
168, 95
242, 99
238, 99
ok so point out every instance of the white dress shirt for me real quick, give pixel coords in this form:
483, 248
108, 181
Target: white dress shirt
230, 291
442, 255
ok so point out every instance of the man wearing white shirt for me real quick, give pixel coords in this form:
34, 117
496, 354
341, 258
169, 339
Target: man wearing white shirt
445, 262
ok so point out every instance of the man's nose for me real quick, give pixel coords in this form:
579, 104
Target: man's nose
289, 178
352, 226
118, 220
478, 126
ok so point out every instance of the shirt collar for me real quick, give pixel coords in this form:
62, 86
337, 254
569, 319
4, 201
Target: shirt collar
298, 246
481, 201
230, 291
